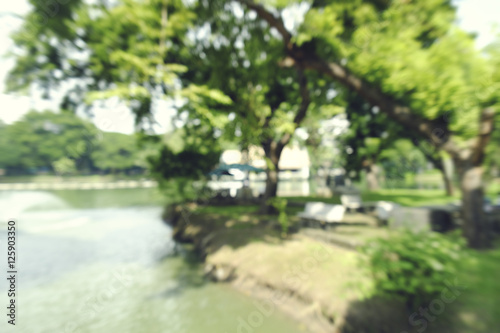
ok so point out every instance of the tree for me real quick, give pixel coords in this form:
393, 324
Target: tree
130, 51
369, 134
11, 153
180, 158
405, 57
41, 138
401, 161
438, 159
409, 60
372, 132
268, 103
240, 58
64, 166
115, 152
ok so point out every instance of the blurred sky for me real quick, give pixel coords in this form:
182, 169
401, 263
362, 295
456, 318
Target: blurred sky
480, 16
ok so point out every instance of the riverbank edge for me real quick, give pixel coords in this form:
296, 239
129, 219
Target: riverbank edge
198, 232
121, 184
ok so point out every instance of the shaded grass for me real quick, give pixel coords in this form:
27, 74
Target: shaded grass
230, 211
479, 309
235, 211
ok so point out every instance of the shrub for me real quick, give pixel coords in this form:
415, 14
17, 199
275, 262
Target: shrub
413, 266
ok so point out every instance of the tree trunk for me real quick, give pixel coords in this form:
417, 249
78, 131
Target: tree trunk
475, 226
371, 178
371, 174
448, 184
271, 184
273, 149
440, 165
273, 155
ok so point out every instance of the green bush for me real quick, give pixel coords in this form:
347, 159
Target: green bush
413, 267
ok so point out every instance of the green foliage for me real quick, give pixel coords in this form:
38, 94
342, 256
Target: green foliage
220, 66
132, 50
413, 267
373, 138
115, 151
64, 166
41, 138
66, 144
10, 155
184, 157
401, 161
280, 205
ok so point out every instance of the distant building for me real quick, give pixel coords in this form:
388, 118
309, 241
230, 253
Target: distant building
294, 162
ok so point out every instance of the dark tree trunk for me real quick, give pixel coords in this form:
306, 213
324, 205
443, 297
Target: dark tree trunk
270, 192
273, 155
470, 170
475, 227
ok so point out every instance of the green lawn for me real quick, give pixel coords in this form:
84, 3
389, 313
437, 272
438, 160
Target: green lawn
405, 197
411, 197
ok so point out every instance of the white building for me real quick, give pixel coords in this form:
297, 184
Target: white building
294, 162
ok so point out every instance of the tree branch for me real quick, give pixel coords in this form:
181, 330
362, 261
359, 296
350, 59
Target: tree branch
486, 127
269, 118
273, 21
438, 133
431, 156
301, 112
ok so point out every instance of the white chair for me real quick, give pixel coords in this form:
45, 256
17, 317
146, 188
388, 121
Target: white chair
322, 212
351, 201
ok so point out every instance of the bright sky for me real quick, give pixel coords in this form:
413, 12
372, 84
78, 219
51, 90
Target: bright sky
480, 16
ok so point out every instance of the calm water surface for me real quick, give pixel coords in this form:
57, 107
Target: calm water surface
103, 261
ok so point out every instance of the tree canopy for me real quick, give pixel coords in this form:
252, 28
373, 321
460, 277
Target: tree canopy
66, 144
245, 70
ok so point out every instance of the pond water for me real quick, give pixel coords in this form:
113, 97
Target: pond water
103, 261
